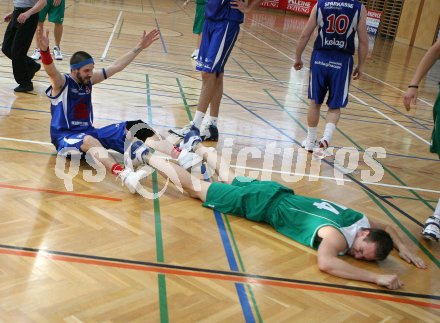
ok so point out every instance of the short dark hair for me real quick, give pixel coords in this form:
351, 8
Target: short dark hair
79, 57
383, 241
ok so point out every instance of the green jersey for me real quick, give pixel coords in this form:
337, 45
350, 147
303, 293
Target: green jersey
297, 217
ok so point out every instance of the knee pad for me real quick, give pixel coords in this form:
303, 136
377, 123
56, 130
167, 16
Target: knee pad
140, 129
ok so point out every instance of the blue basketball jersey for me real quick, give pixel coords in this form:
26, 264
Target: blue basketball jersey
221, 10
71, 109
337, 24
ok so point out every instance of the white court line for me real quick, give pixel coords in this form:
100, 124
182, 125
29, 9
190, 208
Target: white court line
392, 120
310, 47
271, 171
104, 54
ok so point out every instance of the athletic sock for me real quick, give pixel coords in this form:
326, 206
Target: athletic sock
198, 118
116, 169
328, 132
437, 210
311, 134
212, 120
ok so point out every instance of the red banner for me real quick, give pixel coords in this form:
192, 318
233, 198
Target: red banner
299, 6
303, 7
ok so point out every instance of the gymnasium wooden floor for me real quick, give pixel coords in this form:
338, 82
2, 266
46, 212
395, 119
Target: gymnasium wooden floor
99, 254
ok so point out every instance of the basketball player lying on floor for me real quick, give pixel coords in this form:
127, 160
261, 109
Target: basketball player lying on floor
330, 228
72, 127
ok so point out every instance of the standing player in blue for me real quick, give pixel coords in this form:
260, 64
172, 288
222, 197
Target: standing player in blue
332, 229
331, 65
71, 127
220, 31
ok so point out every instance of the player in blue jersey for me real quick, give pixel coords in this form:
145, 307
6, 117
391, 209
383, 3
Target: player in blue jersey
328, 227
71, 127
220, 31
331, 64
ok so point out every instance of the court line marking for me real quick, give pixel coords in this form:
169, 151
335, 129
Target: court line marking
277, 171
107, 47
45, 190
222, 275
390, 119
310, 47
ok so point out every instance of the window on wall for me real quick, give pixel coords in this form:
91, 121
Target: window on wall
391, 10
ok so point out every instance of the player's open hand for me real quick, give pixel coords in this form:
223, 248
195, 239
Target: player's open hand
147, 39
389, 281
409, 97
43, 38
411, 258
56, 3
240, 5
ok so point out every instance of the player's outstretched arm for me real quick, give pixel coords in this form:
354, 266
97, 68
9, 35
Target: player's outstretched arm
56, 78
329, 262
404, 252
304, 39
145, 41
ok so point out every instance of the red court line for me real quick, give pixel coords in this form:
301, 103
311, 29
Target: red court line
45, 190
182, 272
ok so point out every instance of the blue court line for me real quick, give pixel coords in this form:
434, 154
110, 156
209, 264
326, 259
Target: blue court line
331, 165
161, 37
241, 291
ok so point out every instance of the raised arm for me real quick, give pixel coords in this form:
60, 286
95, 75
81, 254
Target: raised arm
363, 44
56, 78
328, 261
404, 252
304, 39
145, 41
431, 56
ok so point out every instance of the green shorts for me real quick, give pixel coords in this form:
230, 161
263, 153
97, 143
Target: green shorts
435, 139
56, 14
255, 200
199, 18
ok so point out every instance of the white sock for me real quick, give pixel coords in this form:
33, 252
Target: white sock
328, 132
198, 118
212, 120
311, 133
437, 210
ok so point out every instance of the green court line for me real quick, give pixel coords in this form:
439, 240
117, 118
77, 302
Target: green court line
404, 229
421, 199
182, 94
234, 243
161, 279
387, 212
242, 268
410, 198
261, 66
242, 67
28, 151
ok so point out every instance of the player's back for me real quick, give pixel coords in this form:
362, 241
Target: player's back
337, 24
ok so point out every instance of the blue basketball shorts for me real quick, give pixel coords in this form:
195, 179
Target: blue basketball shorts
330, 72
218, 39
110, 137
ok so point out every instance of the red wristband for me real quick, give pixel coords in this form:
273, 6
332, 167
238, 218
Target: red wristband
46, 58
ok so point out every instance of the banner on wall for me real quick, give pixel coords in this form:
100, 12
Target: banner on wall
274, 4
303, 7
373, 21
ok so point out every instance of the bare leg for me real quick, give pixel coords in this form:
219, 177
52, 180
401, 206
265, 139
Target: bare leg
313, 114
180, 177
58, 33
215, 102
333, 116
162, 145
88, 143
216, 162
209, 83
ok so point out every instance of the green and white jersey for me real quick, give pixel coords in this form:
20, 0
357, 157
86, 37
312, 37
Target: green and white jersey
300, 218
